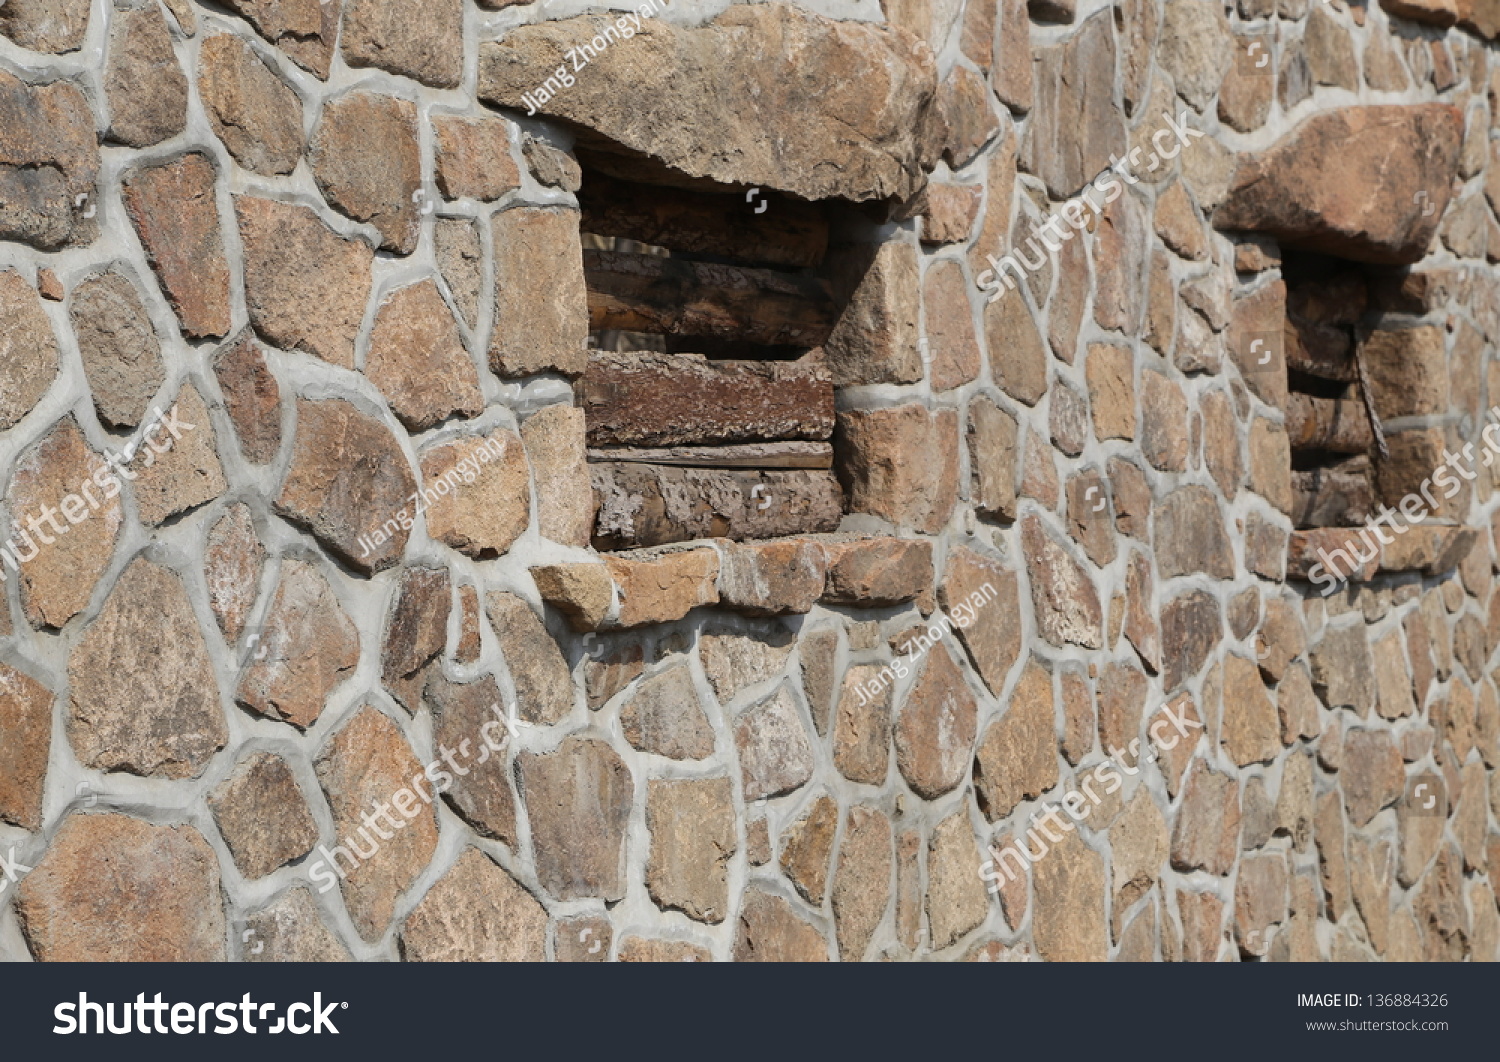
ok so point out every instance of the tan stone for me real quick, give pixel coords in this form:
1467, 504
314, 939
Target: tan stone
143, 82
31, 361
1017, 757
487, 503
544, 690
956, 898
1018, 357
541, 316
173, 206
460, 259
290, 930
665, 717
55, 26
1191, 628
554, 439
1110, 371
421, 39
121, 353
1068, 924
1206, 834
951, 212
862, 883
582, 592
578, 800
303, 29
692, 827
862, 724
935, 728
1250, 729
418, 361
900, 463
252, 398
25, 740
306, 649
954, 347
263, 816
776, 756
467, 718
305, 285
1075, 126
771, 578
1139, 842
1190, 536
992, 458
256, 114
1062, 593
770, 930
415, 632
365, 158
185, 473
637, 949
875, 572
1164, 417
51, 134
476, 912
163, 903
143, 696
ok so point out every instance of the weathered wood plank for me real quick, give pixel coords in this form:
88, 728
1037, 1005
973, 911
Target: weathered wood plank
643, 398
741, 455
1337, 424
651, 505
673, 296
1319, 350
787, 232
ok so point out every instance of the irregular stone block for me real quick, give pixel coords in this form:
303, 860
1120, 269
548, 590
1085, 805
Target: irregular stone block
578, 800
476, 913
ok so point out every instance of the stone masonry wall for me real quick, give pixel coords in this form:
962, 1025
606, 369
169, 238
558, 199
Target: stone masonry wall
292, 312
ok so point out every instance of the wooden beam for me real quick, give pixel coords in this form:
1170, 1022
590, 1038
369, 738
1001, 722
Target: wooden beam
651, 505
1337, 424
1319, 350
787, 232
673, 296
644, 398
742, 455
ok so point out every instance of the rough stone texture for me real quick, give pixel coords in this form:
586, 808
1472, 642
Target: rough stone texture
935, 727
1190, 536
863, 141
1206, 835
983, 600
471, 719
659, 589
365, 157
1016, 759
775, 754
692, 840
1342, 670
862, 725
1074, 127
473, 158
262, 815
175, 212
475, 913
143, 82
305, 285
541, 312
305, 649
256, 114
143, 696
956, 900
578, 800
862, 883
544, 693
487, 503
665, 717
875, 338
186, 473
554, 441
303, 29
60, 567
420, 39
25, 740
764, 579
1250, 727
232, 561
346, 503
1372, 776
55, 26
900, 464
770, 930
807, 847
950, 327
252, 398
1068, 923
1066, 603
166, 907
291, 930
120, 350
418, 361
49, 158
415, 632
877, 571
31, 357
1346, 182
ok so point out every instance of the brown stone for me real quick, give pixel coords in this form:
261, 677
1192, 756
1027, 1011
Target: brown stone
544, 689
951, 211
1075, 126
582, 592
1362, 206
935, 728
59, 569
775, 754
862, 725
162, 905
992, 458
365, 157
263, 816
1373, 774
306, 649
473, 158
1039, 478
1122, 699
771, 578
554, 441
1342, 670
770, 930
256, 114
348, 506
305, 285
415, 632
1164, 440
420, 39
303, 29
485, 509
956, 899
1442, 918
25, 740
541, 311
692, 827
1139, 842
807, 847
1250, 729
175, 211
460, 259
418, 360
1018, 357
659, 588
900, 463
1110, 371
551, 165
252, 398
963, 102
1206, 834
638, 949
950, 326
233, 559
1121, 253
1068, 924
1017, 757
587, 939
1221, 443
1066, 602
578, 800
875, 572
186, 472
143, 694
290, 930
54, 26
476, 912
862, 883
860, 145
49, 159
665, 717
1190, 536
118, 343
31, 360
143, 83
471, 720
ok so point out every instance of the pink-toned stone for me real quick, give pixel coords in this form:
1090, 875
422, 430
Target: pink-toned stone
252, 398
175, 211
935, 728
473, 159
541, 311
418, 360
25, 740
476, 913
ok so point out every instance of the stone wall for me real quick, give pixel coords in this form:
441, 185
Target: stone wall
292, 315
